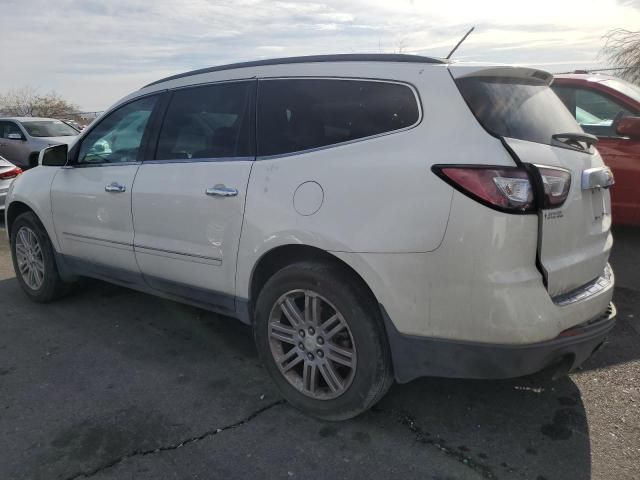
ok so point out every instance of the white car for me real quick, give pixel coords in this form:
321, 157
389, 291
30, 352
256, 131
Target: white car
8, 171
374, 217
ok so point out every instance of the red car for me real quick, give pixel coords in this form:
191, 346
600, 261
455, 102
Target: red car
609, 108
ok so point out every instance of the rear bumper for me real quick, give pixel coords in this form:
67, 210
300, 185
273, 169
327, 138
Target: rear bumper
415, 356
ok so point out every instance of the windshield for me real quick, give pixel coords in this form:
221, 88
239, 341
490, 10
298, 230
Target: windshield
629, 89
49, 128
517, 108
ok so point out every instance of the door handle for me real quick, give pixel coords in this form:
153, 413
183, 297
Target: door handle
115, 187
221, 191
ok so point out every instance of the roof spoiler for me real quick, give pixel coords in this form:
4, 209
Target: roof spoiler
506, 71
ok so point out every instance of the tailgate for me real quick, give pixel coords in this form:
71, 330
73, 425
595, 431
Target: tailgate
517, 105
574, 239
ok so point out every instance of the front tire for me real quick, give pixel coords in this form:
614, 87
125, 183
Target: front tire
34, 261
321, 338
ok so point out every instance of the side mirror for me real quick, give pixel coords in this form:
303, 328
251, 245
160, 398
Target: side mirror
628, 127
55, 156
15, 136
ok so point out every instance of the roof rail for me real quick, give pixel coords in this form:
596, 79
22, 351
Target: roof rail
348, 57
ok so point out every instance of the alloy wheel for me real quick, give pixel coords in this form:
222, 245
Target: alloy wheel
312, 344
29, 257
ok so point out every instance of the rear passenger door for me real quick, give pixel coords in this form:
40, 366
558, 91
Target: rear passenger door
188, 201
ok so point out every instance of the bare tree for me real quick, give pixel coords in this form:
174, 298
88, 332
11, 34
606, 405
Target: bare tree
622, 48
27, 102
402, 46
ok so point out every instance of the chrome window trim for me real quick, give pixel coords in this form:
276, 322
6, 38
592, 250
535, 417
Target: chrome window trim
92, 165
199, 160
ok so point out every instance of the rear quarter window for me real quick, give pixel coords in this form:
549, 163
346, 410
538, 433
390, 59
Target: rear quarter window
301, 114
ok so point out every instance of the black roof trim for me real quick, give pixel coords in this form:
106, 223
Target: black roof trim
348, 57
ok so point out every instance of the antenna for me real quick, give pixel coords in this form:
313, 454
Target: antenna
460, 42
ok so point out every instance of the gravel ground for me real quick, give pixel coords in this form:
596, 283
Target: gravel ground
113, 384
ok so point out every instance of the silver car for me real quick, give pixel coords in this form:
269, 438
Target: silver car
8, 172
22, 138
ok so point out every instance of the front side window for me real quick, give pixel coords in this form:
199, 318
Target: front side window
301, 114
594, 111
48, 128
212, 121
118, 137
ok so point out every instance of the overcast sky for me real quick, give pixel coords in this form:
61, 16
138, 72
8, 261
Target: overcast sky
96, 51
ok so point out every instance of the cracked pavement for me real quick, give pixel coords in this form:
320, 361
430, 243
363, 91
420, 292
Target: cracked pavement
113, 384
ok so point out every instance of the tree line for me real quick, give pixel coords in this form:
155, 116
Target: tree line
28, 102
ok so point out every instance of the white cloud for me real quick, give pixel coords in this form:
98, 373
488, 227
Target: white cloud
94, 51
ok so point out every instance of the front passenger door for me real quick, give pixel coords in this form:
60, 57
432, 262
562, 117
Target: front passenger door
91, 197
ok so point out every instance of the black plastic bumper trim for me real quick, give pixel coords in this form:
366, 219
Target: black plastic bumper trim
416, 356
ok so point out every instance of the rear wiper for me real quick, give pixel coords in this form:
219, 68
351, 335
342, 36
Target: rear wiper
575, 139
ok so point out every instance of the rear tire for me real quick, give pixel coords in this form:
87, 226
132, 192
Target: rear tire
320, 335
34, 260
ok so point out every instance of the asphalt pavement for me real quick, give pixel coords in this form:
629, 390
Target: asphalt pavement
113, 384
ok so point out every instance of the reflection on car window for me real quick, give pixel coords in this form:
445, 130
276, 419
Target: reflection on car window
211, 121
117, 138
301, 114
517, 108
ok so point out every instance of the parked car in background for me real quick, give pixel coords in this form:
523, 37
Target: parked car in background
371, 216
8, 171
609, 108
22, 138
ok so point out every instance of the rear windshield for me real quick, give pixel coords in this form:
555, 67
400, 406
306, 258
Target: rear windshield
49, 128
517, 108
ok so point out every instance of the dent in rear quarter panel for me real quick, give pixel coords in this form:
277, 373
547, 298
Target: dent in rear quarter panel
484, 285
33, 188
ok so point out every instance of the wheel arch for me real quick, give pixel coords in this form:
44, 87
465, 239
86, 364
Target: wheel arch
281, 256
14, 210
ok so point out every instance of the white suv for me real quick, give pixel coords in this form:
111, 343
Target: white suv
374, 217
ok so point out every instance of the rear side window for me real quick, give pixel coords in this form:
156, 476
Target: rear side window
517, 108
212, 121
300, 114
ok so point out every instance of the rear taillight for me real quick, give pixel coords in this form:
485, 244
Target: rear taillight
14, 172
507, 189
556, 182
